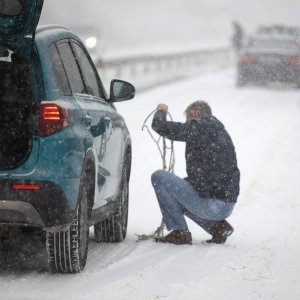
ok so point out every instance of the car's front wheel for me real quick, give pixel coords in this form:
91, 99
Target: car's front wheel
114, 228
67, 250
241, 81
298, 83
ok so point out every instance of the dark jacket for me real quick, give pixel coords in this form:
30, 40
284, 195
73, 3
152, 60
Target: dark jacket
211, 163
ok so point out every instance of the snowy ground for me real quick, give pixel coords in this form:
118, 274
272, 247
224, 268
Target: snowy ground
259, 261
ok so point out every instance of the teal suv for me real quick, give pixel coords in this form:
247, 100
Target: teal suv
65, 151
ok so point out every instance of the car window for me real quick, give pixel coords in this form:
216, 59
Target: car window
91, 80
273, 43
71, 68
61, 76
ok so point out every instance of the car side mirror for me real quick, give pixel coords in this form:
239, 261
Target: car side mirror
121, 90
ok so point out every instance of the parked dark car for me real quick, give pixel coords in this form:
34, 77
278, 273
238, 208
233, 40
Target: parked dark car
65, 151
267, 58
279, 30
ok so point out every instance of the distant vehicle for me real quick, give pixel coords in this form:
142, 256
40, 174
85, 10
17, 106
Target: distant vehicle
279, 31
65, 151
267, 58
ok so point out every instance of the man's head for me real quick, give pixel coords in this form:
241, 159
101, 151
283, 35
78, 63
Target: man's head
197, 110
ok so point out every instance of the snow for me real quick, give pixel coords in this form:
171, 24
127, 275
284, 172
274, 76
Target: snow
259, 261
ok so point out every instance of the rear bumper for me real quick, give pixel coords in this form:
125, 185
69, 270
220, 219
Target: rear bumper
263, 73
19, 213
46, 207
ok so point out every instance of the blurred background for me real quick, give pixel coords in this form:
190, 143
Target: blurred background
132, 37
181, 23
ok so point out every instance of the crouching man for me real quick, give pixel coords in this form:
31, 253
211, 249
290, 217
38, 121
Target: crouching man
209, 193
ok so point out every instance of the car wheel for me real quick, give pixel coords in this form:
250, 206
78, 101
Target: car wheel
114, 229
121, 216
104, 231
240, 82
67, 250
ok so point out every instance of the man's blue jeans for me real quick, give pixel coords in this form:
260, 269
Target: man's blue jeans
177, 197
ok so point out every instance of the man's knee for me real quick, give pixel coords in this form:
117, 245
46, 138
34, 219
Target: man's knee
158, 176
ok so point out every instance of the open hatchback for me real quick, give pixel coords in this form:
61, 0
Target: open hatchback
18, 97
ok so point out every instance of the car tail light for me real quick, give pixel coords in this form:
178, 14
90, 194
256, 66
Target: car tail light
294, 60
246, 59
53, 118
31, 187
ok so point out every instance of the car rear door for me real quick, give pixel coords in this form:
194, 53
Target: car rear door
90, 96
108, 142
75, 86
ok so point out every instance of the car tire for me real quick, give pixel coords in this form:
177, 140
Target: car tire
67, 250
240, 82
114, 229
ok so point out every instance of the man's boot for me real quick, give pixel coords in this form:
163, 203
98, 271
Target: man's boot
177, 237
220, 232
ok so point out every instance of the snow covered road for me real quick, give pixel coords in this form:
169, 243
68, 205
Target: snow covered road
259, 261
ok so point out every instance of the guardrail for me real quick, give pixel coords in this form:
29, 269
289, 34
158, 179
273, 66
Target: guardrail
145, 71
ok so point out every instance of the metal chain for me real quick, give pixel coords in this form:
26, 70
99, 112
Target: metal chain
163, 153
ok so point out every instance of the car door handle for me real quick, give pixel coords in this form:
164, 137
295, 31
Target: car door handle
87, 120
101, 127
106, 121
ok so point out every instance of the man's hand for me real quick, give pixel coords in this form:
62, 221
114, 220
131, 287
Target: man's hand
162, 106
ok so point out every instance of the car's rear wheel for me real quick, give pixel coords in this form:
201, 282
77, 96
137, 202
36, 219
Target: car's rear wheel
114, 228
241, 81
67, 250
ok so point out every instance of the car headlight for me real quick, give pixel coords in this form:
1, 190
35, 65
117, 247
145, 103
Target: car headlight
91, 42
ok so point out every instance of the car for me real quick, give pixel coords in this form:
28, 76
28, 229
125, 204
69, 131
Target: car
65, 151
279, 30
269, 58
